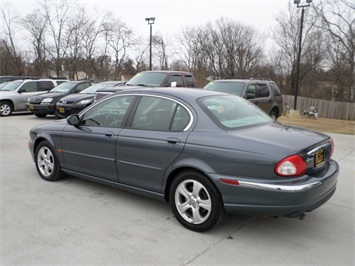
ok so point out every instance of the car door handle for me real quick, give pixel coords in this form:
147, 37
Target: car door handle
109, 134
173, 141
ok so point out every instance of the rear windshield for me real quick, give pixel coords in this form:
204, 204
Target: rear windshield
231, 112
235, 88
153, 79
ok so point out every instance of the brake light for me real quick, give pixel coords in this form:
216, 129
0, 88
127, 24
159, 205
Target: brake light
293, 165
332, 150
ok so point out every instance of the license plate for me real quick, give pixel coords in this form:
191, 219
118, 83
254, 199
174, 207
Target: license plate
319, 157
61, 110
32, 107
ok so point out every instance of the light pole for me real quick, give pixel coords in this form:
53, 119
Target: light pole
299, 5
150, 23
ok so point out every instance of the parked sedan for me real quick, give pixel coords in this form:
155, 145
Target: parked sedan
44, 104
205, 152
74, 103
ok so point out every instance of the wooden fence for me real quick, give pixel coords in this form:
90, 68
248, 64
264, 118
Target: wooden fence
326, 109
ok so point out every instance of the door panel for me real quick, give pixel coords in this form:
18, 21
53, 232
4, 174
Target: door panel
91, 147
156, 138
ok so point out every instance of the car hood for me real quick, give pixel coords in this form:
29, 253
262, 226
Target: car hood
50, 95
6, 93
289, 137
78, 97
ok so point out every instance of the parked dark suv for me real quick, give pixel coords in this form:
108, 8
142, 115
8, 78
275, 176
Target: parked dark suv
154, 78
262, 92
44, 104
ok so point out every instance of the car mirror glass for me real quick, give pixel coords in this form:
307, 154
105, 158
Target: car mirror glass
73, 120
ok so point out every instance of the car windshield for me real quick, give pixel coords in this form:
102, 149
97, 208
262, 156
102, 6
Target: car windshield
235, 88
11, 86
4, 84
64, 87
147, 79
92, 89
231, 112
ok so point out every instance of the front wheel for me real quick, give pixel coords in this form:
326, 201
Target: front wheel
195, 202
5, 108
41, 115
47, 163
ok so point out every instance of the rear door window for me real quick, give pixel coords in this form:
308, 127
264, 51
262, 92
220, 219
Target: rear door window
262, 91
45, 85
175, 78
160, 114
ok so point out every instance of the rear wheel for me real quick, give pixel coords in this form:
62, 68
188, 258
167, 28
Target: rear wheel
5, 108
41, 115
195, 202
47, 163
274, 114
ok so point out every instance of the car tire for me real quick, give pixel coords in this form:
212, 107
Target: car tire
47, 163
6, 108
274, 114
195, 202
41, 115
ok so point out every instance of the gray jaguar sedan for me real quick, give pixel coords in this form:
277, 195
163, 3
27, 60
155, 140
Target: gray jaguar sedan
206, 153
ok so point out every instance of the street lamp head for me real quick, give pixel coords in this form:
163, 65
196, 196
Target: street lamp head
298, 3
150, 20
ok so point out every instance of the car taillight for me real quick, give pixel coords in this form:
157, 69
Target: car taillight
332, 150
293, 165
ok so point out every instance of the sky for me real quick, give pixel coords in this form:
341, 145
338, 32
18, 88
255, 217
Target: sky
172, 15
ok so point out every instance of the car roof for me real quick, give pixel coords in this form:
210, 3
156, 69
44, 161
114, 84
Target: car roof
79, 81
166, 71
244, 80
179, 92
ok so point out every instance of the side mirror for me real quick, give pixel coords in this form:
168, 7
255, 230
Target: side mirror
73, 120
173, 84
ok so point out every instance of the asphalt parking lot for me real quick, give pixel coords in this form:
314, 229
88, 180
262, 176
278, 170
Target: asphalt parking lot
73, 221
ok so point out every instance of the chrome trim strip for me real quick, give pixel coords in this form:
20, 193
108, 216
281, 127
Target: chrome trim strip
312, 152
294, 188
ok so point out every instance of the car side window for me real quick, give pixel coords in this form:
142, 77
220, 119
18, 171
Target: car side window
29, 87
262, 91
275, 89
160, 114
189, 81
251, 89
109, 113
81, 87
45, 85
177, 79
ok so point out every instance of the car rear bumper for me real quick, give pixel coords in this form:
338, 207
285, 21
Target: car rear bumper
289, 198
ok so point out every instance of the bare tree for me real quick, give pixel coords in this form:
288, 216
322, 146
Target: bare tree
57, 15
284, 57
36, 25
118, 37
338, 19
9, 20
161, 50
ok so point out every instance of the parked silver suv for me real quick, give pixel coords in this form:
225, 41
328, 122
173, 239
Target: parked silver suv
262, 92
14, 95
